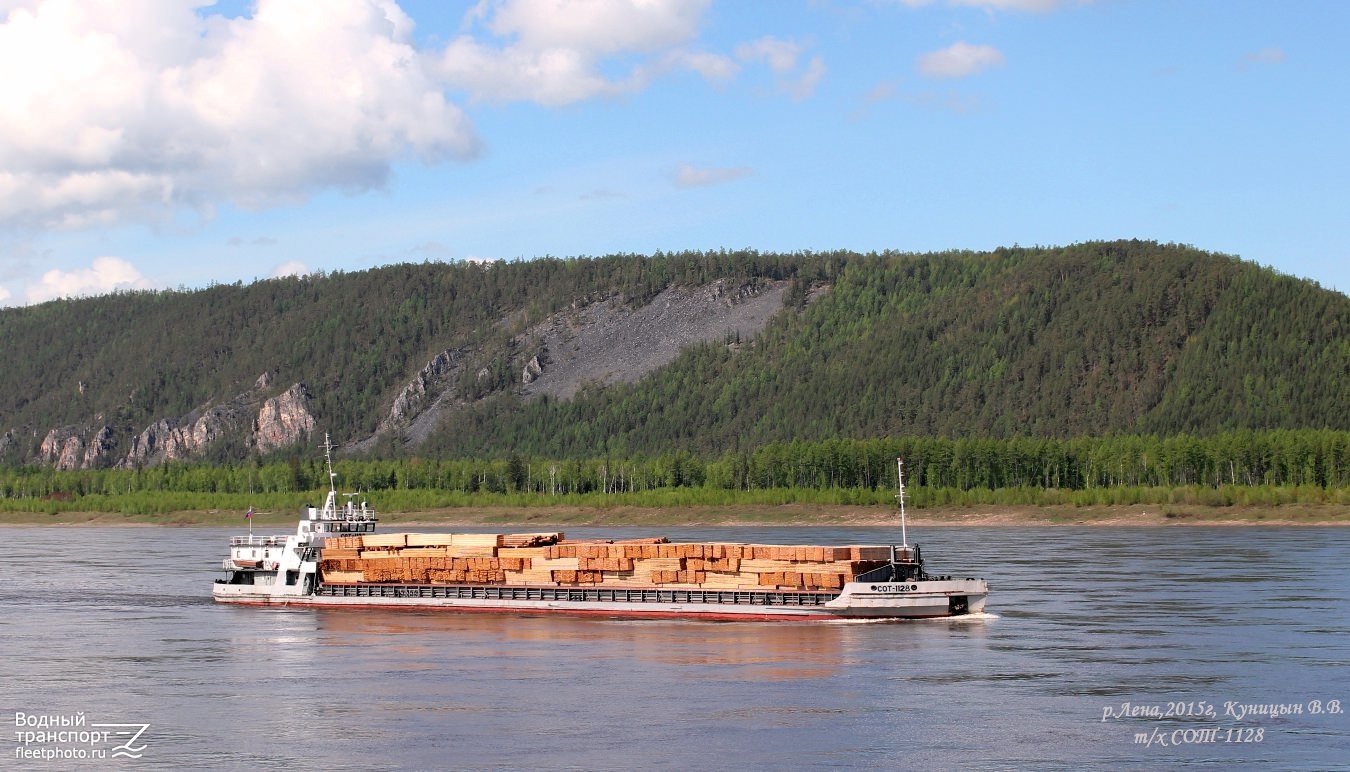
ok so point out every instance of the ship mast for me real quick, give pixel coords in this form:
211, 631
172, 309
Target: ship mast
900, 476
328, 456
330, 506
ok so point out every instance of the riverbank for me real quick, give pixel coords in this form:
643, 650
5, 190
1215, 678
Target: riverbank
787, 515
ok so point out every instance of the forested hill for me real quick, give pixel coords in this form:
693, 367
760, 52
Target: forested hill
1092, 339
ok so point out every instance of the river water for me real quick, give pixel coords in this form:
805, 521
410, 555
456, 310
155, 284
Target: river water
1090, 633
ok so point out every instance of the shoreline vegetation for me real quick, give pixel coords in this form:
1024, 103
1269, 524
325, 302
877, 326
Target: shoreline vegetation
1278, 477
772, 515
1283, 478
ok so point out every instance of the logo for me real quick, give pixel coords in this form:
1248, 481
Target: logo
129, 748
59, 736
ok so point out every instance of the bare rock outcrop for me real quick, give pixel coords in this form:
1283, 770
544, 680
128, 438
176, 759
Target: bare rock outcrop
415, 410
422, 391
606, 342
77, 447
280, 421
177, 439
63, 447
600, 341
283, 420
533, 369
99, 450
156, 443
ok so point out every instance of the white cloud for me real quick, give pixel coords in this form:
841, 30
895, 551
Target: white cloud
290, 268
959, 60
596, 26
115, 111
551, 51
1033, 6
105, 274
689, 176
781, 56
710, 66
805, 86
4, 294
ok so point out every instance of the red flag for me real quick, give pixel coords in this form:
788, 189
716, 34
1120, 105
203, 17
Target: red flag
249, 514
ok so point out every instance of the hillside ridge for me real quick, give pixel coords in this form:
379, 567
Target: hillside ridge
694, 351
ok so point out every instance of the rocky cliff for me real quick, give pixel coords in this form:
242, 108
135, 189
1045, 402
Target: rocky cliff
283, 420
270, 422
593, 341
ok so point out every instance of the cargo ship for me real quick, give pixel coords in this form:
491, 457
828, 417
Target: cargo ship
336, 559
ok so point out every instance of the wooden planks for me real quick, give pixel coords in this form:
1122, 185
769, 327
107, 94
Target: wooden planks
548, 559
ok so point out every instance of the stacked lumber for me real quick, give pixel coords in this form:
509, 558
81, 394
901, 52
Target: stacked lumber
530, 539
551, 560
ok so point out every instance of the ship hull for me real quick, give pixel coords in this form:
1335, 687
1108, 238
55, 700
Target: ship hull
921, 600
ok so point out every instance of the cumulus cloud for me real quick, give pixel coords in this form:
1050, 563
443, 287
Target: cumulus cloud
959, 60
115, 111
691, 177
104, 275
550, 52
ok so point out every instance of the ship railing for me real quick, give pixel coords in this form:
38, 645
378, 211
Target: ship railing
359, 516
259, 541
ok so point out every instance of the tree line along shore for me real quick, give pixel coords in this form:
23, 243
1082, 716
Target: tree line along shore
1244, 470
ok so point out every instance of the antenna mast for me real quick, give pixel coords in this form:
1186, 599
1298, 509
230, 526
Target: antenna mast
900, 475
328, 454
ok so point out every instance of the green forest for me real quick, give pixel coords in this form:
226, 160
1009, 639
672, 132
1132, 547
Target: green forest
1083, 341
1267, 468
1129, 365
131, 358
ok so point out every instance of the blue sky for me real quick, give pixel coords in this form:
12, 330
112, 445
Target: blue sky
156, 143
